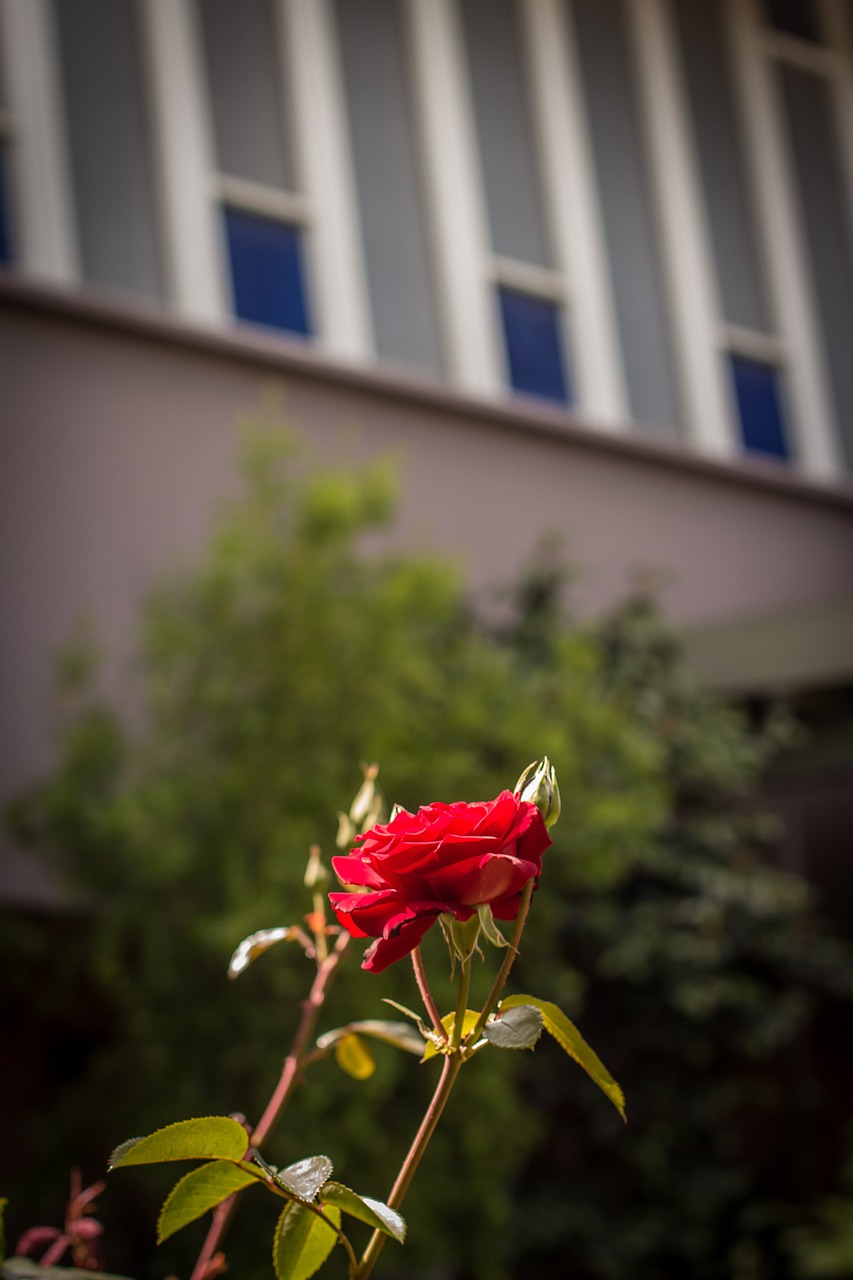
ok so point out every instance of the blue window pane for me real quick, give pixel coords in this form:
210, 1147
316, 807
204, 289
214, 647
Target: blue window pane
762, 426
534, 349
267, 271
5, 239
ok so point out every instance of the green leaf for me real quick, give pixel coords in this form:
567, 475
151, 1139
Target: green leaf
201, 1189
398, 1034
27, 1269
303, 1241
469, 1022
490, 930
410, 1013
256, 944
353, 1056
516, 1028
373, 1212
305, 1178
570, 1039
209, 1138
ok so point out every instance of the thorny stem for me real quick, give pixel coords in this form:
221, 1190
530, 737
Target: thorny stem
508, 961
290, 1077
461, 1003
449, 1071
426, 994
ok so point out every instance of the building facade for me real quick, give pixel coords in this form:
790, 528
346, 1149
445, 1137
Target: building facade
583, 265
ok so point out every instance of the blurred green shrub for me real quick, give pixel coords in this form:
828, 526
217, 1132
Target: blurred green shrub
294, 651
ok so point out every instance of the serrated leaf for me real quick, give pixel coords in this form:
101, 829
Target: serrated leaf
489, 929
208, 1138
305, 1178
303, 1242
572, 1042
469, 1022
376, 1214
255, 945
353, 1056
517, 1028
398, 1034
201, 1189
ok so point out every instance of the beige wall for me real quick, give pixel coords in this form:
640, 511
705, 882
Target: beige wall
118, 441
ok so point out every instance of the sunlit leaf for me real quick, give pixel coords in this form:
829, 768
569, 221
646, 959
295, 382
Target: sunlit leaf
303, 1241
28, 1269
516, 1028
373, 1212
208, 1138
570, 1039
305, 1178
398, 1034
469, 1022
201, 1189
353, 1056
255, 945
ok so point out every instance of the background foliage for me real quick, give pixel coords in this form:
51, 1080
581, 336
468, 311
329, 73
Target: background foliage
690, 962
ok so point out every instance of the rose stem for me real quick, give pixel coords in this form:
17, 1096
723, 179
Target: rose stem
461, 1003
426, 994
449, 1071
290, 1077
508, 961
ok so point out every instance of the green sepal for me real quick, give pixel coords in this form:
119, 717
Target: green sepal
469, 1022
305, 1178
303, 1241
376, 1214
516, 1028
489, 929
398, 1034
572, 1042
208, 1138
460, 935
353, 1056
199, 1190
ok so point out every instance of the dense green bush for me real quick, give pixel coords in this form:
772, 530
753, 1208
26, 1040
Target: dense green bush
291, 654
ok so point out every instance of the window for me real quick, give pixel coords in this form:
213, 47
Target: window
794, 17
267, 271
613, 109
110, 144
534, 344
759, 403
389, 184
265, 218
816, 156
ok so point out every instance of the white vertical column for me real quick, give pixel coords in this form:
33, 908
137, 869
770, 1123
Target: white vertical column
184, 161
573, 209
313, 71
44, 231
454, 198
686, 253
782, 238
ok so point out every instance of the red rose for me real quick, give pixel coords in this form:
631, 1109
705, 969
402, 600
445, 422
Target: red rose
444, 858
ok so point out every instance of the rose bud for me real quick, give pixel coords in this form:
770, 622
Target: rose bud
538, 784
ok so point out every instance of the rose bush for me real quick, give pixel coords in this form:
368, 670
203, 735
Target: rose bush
446, 858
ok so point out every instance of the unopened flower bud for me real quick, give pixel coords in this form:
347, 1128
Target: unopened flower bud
316, 875
538, 784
